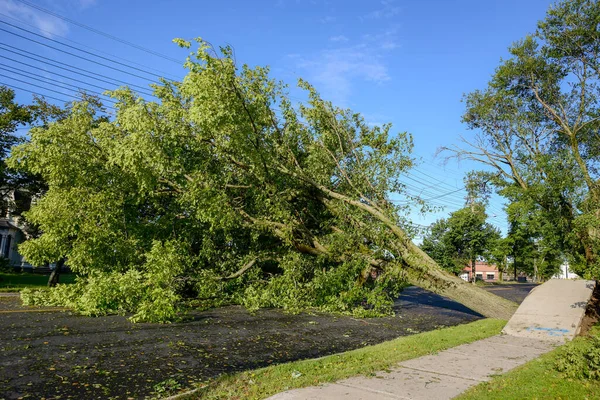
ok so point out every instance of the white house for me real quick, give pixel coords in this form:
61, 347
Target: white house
565, 273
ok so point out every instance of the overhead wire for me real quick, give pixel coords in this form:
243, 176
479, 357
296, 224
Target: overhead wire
76, 48
76, 55
84, 45
70, 68
32, 92
60, 84
50, 90
99, 32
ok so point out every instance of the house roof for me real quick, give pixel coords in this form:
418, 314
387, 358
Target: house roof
4, 223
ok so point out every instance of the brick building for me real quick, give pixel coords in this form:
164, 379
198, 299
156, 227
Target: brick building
484, 271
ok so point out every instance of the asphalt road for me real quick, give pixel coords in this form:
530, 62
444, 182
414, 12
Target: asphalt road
55, 353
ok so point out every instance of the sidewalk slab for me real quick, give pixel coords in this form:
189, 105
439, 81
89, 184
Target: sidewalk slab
475, 365
334, 391
411, 384
512, 349
523, 343
552, 311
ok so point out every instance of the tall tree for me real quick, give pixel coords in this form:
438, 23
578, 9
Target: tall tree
223, 190
12, 115
537, 124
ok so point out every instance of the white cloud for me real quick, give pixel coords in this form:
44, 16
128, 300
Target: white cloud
386, 40
51, 26
333, 71
336, 69
338, 38
328, 19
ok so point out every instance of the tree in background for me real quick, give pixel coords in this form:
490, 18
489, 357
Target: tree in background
222, 191
499, 254
533, 251
537, 124
12, 115
437, 245
461, 239
18, 187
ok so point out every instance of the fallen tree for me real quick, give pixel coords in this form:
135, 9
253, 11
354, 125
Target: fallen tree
223, 191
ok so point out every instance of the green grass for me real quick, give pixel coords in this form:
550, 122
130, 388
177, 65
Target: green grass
264, 382
537, 379
15, 282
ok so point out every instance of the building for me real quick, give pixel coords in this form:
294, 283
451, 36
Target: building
11, 235
12, 228
565, 272
483, 271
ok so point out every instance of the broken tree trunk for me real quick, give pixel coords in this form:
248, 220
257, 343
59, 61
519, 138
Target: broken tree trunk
425, 273
54, 276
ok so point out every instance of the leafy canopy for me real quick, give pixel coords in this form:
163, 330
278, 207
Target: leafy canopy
219, 191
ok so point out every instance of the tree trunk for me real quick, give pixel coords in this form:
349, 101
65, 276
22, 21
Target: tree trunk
473, 270
54, 276
421, 270
515, 267
425, 273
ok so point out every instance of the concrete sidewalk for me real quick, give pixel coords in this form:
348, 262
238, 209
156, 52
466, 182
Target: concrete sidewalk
440, 376
549, 316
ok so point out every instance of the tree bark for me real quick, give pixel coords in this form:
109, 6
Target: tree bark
425, 273
55, 275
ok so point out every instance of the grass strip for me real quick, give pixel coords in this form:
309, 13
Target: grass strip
265, 382
537, 379
10, 282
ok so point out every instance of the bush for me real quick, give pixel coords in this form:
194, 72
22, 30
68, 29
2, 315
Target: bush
581, 358
5, 266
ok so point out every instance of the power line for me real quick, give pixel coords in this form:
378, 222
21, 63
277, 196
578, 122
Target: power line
72, 69
107, 35
78, 49
76, 55
37, 94
52, 81
50, 90
53, 73
429, 176
84, 45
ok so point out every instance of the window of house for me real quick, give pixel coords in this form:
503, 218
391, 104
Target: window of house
479, 274
490, 276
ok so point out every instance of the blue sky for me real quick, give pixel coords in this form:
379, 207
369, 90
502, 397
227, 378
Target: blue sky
405, 62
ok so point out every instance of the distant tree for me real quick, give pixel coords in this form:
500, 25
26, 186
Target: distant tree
534, 250
437, 245
499, 253
461, 239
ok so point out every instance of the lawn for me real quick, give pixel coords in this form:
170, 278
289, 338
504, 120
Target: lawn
11, 282
264, 382
538, 379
